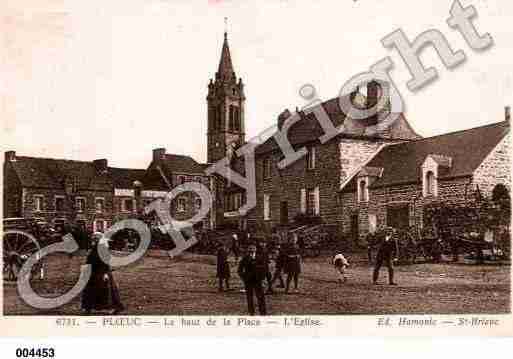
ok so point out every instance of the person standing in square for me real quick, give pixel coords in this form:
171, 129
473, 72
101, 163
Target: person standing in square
252, 270
223, 268
387, 252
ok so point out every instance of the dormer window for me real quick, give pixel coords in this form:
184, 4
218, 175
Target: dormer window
433, 165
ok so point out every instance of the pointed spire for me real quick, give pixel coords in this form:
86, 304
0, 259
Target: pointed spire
225, 70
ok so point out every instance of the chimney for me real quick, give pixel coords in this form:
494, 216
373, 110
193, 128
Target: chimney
158, 154
507, 113
101, 165
282, 117
10, 156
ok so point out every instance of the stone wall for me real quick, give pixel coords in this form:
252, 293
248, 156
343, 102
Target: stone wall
455, 190
49, 212
496, 168
337, 158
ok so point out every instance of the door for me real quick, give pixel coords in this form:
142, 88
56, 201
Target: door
398, 216
284, 212
355, 230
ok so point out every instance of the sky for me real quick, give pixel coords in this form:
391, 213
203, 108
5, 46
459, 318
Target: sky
114, 79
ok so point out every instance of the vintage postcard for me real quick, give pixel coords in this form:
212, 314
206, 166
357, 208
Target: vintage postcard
256, 168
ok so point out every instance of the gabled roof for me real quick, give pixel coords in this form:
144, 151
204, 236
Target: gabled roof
158, 176
182, 164
443, 161
125, 177
467, 149
55, 173
308, 129
370, 171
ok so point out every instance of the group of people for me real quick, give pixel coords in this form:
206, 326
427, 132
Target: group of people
256, 266
259, 265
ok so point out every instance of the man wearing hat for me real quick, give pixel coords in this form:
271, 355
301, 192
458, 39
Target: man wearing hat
252, 270
387, 252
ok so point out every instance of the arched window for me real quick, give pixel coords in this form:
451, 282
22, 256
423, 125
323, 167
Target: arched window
236, 119
219, 119
430, 183
231, 125
212, 117
362, 191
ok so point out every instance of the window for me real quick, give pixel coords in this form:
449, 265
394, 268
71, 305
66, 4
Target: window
213, 119
181, 205
59, 203
311, 200
197, 204
310, 158
236, 121
99, 204
127, 205
363, 190
238, 200
181, 180
430, 184
231, 123
100, 225
38, 203
80, 204
267, 168
267, 207
219, 118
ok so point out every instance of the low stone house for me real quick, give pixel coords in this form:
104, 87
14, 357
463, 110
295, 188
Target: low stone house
401, 179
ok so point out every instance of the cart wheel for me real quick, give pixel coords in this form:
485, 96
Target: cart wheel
18, 247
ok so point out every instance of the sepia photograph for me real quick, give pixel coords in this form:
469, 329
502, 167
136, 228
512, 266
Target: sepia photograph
301, 162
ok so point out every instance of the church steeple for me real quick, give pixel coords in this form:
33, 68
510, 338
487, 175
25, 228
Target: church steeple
226, 102
225, 70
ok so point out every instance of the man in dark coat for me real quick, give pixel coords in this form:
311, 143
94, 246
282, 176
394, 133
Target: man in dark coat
281, 259
388, 250
101, 292
293, 264
264, 253
223, 268
252, 271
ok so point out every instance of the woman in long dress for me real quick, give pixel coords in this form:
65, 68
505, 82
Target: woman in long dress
101, 291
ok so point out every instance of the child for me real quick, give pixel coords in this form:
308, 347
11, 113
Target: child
340, 263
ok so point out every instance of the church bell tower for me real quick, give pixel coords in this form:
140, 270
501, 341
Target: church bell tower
225, 102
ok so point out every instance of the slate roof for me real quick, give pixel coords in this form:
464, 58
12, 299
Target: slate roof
225, 69
169, 165
182, 164
467, 149
53, 173
308, 129
125, 177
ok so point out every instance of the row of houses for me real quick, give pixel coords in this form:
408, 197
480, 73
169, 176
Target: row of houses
94, 194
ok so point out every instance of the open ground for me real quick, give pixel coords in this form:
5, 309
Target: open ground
157, 285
